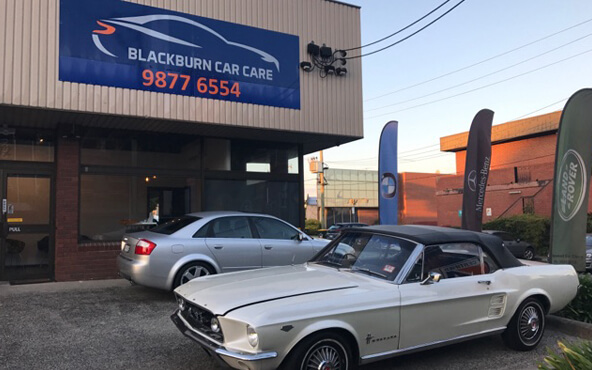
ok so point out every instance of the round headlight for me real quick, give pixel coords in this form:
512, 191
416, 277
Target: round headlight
215, 325
182, 303
252, 336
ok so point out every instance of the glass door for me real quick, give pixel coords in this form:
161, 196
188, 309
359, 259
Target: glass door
26, 235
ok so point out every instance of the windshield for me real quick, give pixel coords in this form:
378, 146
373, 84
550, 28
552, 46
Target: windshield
174, 225
377, 255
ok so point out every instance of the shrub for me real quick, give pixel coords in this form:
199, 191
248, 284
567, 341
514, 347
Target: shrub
532, 228
573, 356
312, 226
581, 307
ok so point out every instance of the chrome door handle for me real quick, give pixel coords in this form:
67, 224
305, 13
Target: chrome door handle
486, 282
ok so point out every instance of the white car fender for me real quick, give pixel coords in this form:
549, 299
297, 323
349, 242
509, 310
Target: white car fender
328, 324
194, 257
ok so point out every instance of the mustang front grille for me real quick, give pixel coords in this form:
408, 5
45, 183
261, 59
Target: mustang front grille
201, 320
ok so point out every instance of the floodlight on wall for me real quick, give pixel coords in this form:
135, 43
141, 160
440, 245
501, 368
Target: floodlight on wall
324, 58
306, 66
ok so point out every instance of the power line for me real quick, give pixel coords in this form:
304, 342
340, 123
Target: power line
401, 30
540, 109
484, 86
481, 62
405, 38
481, 77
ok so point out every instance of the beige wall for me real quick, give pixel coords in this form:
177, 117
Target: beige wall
29, 51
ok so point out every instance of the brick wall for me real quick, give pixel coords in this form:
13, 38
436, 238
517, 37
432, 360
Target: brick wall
519, 170
74, 262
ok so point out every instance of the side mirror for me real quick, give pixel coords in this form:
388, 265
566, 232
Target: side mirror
517, 240
433, 277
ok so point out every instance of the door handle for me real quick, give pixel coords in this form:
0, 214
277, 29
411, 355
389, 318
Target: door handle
268, 247
218, 247
486, 282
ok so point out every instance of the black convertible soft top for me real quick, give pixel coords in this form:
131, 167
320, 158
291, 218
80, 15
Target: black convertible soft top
429, 235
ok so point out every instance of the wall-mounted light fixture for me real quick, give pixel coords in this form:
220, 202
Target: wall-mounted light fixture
323, 58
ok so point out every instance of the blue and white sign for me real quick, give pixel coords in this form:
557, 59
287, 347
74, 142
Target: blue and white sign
121, 44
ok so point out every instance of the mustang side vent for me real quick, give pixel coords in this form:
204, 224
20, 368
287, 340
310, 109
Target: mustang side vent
497, 306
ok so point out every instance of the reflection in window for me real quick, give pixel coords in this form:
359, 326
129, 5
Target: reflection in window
23, 144
140, 149
276, 198
268, 228
111, 205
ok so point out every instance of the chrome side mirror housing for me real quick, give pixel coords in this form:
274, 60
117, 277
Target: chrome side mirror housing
432, 278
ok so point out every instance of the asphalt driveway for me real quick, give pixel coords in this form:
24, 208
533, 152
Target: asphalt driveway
112, 325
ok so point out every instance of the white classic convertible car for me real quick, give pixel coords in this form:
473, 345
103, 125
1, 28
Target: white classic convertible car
371, 294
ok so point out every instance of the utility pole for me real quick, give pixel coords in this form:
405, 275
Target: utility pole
322, 180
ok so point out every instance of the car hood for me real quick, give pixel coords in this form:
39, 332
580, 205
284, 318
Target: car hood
223, 293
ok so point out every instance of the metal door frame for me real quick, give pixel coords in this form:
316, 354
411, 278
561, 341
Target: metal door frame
42, 169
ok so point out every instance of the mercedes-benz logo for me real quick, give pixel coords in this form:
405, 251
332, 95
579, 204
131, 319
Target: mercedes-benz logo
388, 185
472, 180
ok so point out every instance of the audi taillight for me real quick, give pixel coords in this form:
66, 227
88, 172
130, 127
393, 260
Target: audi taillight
144, 247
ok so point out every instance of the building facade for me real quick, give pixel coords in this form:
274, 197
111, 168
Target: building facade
117, 115
521, 176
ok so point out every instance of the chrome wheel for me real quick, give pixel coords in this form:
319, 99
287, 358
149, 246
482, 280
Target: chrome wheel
327, 354
193, 272
529, 324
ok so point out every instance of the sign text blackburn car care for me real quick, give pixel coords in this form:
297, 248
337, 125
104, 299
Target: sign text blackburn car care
121, 44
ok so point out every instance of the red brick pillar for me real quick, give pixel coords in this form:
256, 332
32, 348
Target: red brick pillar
67, 209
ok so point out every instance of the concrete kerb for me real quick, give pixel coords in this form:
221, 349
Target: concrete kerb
570, 327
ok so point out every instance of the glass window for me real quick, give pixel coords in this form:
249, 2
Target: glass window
264, 157
453, 260
269, 228
140, 149
111, 205
174, 225
376, 255
23, 144
276, 198
229, 227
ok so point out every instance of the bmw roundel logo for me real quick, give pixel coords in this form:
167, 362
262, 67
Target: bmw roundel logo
388, 185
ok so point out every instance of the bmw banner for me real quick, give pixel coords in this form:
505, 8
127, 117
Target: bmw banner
122, 44
387, 171
573, 160
477, 162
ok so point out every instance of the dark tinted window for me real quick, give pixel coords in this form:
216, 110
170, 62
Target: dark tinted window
230, 227
175, 225
269, 228
505, 237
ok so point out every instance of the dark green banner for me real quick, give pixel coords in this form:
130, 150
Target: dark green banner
573, 161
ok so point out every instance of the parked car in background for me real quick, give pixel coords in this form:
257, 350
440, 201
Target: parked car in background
589, 252
205, 243
337, 228
373, 293
519, 248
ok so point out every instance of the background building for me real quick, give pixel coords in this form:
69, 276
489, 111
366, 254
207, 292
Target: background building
521, 176
105, 128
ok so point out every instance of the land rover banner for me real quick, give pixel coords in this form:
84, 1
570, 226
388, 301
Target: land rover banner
387, 171
573, 159
476, 170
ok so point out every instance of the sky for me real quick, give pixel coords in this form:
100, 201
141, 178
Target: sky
519, 58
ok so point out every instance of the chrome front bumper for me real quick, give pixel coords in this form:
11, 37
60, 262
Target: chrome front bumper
237, 360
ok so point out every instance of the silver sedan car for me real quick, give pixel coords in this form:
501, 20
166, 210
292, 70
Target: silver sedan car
205, 243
